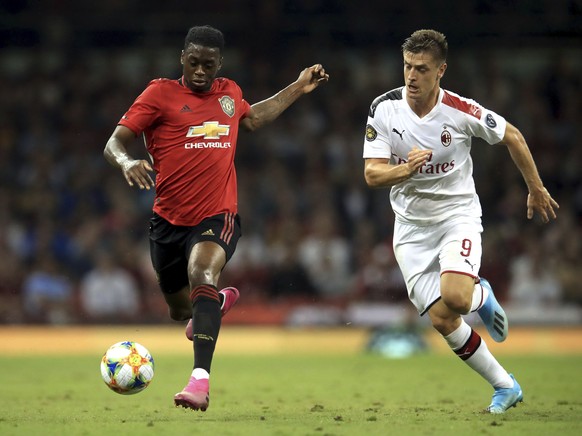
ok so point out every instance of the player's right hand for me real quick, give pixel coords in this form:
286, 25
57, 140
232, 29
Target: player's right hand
417, 158
137, 171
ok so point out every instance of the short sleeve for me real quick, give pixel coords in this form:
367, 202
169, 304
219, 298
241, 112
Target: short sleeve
376, 140
489, 126
145, 110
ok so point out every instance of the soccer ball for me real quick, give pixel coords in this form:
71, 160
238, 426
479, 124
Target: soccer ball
127, 368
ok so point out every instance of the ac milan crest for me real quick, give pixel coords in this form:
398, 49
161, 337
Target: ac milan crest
446, 137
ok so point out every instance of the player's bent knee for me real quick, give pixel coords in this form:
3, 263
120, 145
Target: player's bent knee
179, 305
457, 302
180, 313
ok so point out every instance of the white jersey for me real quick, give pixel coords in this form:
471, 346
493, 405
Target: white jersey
444, 186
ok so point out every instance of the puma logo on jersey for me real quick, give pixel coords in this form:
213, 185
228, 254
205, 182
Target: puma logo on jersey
208, 232
472, 265
398, 133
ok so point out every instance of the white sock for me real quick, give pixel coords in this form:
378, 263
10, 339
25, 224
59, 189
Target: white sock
485, 364
200, 373
459, 337
471, 348
480, 295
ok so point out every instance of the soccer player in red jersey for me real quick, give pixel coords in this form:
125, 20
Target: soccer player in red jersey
190, 128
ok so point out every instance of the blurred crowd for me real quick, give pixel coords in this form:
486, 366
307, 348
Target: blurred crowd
73, 234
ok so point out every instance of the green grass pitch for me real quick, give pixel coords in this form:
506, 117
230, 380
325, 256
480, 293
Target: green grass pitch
359, 394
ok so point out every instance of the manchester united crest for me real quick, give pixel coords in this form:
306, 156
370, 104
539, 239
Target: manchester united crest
227, 105
446, 137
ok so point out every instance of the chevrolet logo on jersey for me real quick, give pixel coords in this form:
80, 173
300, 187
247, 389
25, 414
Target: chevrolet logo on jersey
209, 130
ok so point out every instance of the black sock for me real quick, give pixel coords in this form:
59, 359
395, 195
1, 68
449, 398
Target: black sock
206, 321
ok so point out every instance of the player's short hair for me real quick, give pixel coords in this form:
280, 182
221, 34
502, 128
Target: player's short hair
427, 40
206, 36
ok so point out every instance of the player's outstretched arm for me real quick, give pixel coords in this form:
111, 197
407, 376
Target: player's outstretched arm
265, 111
134, 170
539, 199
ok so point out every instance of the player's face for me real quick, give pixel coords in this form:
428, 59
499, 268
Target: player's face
422, 74
200, 65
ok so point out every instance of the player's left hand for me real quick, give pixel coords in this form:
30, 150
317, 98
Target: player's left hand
311, 77
541, 202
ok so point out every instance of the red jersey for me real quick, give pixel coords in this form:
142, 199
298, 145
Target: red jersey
191, 138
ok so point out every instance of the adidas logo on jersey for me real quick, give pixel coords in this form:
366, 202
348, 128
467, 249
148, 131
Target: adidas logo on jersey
185, 108
208, 232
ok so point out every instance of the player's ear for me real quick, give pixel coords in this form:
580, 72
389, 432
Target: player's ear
442, 70
219, 64
182, 58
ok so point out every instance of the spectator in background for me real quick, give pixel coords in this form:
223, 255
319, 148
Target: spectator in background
563, 248
109, 293
380, 278
325, 254
291, 280
534, 282
11, 278
47, 293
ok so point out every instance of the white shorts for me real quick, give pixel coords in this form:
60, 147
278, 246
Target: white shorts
425, 252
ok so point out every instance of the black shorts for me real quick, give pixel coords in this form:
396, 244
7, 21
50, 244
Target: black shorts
170, 245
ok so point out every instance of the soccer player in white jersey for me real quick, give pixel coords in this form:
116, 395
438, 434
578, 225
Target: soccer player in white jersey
418, 141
